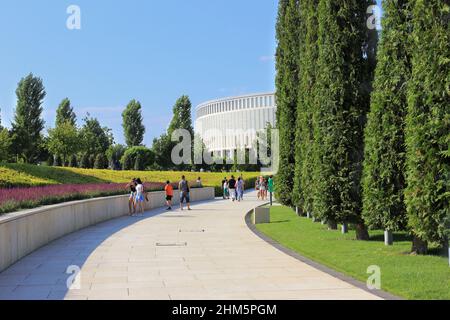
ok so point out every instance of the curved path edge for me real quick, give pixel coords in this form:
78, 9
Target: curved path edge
359, 284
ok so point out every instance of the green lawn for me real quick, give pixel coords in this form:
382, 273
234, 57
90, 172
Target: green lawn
404, 275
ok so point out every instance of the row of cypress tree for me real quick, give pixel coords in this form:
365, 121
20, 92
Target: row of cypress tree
365, 124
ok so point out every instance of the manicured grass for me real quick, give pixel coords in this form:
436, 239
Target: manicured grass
402, 274
15, 175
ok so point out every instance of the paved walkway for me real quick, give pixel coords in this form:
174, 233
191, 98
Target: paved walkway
207, 253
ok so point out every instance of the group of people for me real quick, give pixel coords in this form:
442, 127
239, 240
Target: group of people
184, 188
233, 189
264, 187
137, 197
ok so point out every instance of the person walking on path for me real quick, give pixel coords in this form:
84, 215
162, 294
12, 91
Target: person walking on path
270, 188
140, 197
257, 186
263, 188
169, 194
239, 189
243, 187
232, 188
225, 188
183, 187
131, 199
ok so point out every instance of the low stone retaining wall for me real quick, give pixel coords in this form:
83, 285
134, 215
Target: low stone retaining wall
25, 231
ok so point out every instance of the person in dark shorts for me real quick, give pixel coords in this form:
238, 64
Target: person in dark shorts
232, 188
183, 187
169, 194
131, 199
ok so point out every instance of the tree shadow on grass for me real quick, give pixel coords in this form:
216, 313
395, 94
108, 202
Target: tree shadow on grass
398, 237
279, 221
433, 250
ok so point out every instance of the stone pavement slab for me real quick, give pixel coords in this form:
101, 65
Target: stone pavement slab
203, 254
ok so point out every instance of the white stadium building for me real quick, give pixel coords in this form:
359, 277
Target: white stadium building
230, 124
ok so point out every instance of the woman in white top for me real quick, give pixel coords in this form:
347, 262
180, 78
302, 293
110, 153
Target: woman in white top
140, 197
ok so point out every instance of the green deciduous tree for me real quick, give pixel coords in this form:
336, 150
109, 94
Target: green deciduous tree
114, 154
73, 163
63, 140
287, 65
127, 163
146, 155
50, 160
58, 162
5, 144
28, 125
139, 163
384, 165
162, 149
1, 127
95, 138
428, 124
344, 73
101, 162
65, 113
182, 118
85, 163
133, 127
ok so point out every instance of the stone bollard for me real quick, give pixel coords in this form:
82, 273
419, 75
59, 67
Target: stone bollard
388, 238
344, 228
261, 215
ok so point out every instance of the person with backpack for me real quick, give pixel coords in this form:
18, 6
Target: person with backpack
183, 187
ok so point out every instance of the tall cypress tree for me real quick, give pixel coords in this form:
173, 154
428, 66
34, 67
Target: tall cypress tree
345, 71
428, 124
305, 109
28, 124
65, 113
133, 127
287, 81
182, 118
384, 164
279, 55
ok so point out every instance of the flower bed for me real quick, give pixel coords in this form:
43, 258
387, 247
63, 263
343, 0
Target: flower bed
13, 199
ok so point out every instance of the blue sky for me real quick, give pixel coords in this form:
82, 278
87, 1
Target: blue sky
149, 50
